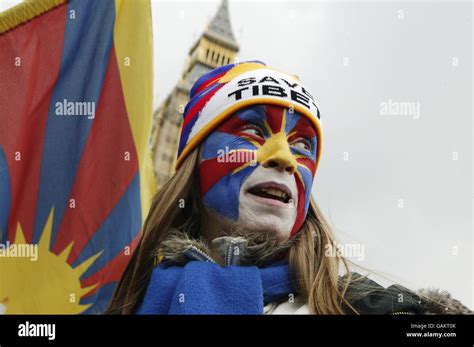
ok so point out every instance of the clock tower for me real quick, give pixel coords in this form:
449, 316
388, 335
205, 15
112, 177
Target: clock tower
215, 47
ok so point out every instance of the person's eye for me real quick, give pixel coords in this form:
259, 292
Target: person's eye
252, 130
302, 144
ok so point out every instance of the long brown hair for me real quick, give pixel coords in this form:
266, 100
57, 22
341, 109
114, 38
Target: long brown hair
176, 206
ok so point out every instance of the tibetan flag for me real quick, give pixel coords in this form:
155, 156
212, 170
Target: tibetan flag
76, 178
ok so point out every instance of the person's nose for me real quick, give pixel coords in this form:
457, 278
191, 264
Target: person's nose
276, 153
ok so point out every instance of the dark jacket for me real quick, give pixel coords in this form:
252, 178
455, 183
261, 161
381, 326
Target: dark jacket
368, 297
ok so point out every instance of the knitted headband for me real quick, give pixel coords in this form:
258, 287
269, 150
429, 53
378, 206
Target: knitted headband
221, 92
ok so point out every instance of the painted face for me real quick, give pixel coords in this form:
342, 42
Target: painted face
257, 168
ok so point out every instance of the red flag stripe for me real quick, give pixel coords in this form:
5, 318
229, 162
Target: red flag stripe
105, 170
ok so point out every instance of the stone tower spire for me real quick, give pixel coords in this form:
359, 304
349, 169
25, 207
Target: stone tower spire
215, 47
219, 28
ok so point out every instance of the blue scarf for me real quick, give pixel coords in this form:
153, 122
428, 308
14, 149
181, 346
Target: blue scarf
208, 288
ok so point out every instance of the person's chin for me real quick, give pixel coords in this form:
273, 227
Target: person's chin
275, 226
268, 218
268, 223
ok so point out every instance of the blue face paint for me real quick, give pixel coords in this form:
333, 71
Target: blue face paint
252, 134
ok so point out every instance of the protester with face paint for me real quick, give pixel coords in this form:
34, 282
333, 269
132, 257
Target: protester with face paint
236, 230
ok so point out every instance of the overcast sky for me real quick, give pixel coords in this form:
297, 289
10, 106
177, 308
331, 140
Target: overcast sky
398, 184
419, 53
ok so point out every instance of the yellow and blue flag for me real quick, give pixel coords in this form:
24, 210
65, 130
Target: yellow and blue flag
76, 177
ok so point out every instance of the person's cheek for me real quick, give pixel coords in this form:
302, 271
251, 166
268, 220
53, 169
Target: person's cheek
304, 176
222, 170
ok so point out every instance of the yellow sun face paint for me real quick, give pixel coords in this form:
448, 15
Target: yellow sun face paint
276, 148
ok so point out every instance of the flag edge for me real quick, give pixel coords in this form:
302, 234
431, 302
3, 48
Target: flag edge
24, 12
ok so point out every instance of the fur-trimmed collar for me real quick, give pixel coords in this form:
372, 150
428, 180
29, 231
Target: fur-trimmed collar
441, 302
255, 248
179, 248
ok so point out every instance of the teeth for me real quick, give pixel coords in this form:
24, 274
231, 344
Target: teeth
275, 192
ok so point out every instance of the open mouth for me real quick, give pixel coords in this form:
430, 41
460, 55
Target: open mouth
272, 190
